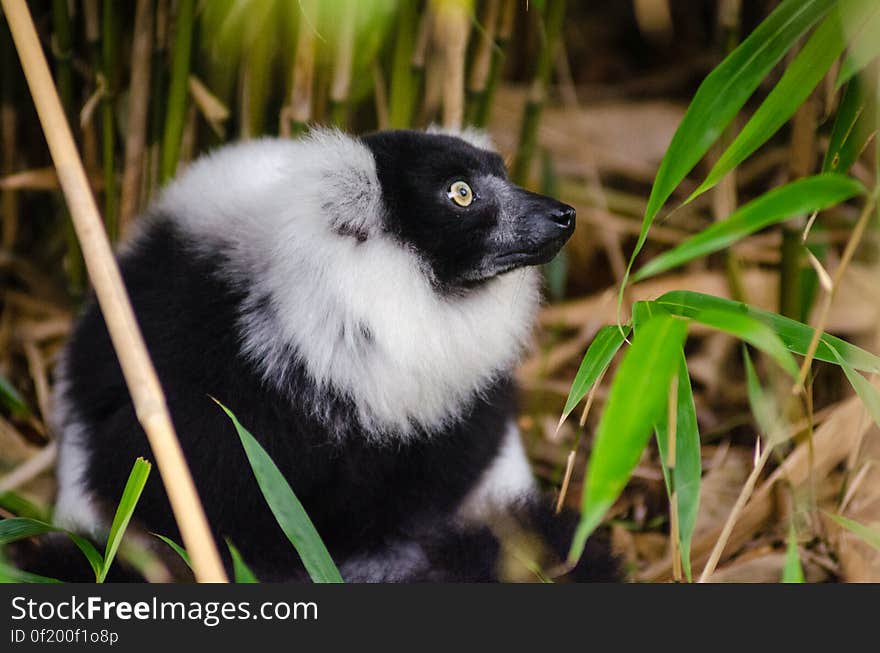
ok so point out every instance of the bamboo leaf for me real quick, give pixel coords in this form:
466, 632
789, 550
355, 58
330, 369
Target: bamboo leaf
722, 94
635, 403
242, 572
288, 510
763, 405
800, 78
864, 46
752, 331
137, 478
599, 355
794, 335
12, 399
869, 535
797, 198
852, 128
19, 528
792, 572
685, 477
179, 550
10, 574
864, 389
22, 507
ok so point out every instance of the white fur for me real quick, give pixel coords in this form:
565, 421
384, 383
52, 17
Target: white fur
505, 483
75, 508
275, 209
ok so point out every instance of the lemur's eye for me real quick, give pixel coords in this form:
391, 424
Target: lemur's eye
460, 193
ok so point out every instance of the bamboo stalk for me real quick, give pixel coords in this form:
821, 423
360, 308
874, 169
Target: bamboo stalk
63, 53
505, 31
303, 70
140, 376
109, 57
403, 82
175, 117
138, 104
452, 27
483, 56
528, 138
341, 84
735, 512
9, 140
157, 95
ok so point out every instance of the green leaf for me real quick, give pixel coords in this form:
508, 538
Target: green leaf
853, 126
763, 405
635, 403
19, 528
722, 94
288, 510
10, 574
599, 354
794, 335
792, 572
800, 78
12, 399
752, 331
243, 573
869, 535
22, 507
686, 475
179, 550
140, 471
797, 198
864, 46
864, 389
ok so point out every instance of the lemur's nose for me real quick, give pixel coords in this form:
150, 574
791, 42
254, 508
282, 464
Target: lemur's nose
563, 216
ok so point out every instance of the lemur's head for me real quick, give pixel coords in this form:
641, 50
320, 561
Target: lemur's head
454, 204
397, 267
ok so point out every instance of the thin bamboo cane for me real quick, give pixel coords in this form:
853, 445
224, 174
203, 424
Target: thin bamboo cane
505, 31
109, 38
63, 53
140, 376
403, 83
341, 85
483, 55
452, 26
138, 104
553, 19
303, 70
177, 90
8, 139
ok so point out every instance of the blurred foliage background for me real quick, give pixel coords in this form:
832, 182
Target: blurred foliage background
582, 99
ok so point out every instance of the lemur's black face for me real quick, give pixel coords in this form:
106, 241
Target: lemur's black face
454, 204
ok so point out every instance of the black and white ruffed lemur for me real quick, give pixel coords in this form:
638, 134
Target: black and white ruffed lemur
360, 304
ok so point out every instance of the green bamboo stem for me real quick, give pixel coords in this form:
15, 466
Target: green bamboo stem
403, 83
303, 71
62, 50
138, 103
8, 136
340, 87
158, 82
109, 56
483, 109
553, 19
484, 54
177, 90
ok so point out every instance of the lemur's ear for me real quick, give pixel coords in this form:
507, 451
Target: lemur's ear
351, 194
477, 137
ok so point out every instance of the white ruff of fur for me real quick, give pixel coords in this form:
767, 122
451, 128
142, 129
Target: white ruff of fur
74, 507
275, 209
